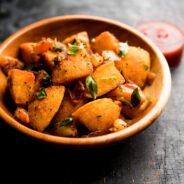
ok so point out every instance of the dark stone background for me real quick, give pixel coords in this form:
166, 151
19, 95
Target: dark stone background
155, 156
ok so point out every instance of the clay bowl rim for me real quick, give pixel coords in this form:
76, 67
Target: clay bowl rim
140, 125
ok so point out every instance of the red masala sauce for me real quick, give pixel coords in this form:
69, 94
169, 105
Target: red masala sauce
167, 37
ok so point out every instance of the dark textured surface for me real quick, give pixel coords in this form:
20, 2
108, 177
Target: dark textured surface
155, 156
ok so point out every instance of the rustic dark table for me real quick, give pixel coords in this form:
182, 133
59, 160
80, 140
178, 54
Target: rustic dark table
155, 156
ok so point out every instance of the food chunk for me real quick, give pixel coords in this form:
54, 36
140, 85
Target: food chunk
43, 46
50, 59
28, 54
81, 37
78, 87
135, 66
22, 115
65, 127
43, 79
72, 68
96, 59
105, 41
31, 52
55, 54
21, 85
67, 108
107, 78
132, 97
53, 58
118, 125
66, 131
98, 115
42, 111
7, 63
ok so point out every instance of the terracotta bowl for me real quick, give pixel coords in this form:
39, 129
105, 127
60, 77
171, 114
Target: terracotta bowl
64, 26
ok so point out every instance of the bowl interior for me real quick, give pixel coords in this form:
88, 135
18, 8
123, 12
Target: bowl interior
62, 27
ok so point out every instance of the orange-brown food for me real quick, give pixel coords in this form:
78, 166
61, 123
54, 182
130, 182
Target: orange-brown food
22, 115
72, 68
42, 111
105, 41
21, 85
7, 63
78, 86
28, 54
135, 66
123, 93
107, 78
94, 118
81, 37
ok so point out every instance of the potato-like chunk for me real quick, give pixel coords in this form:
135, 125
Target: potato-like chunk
118, 125
98, 115
124, 93
21, 85
50, 59
55, 54
53, 58
42, 111
107, 78
81, 37
96, 59
105, 41
66, 131
72, 68
135, 66
67, 108
7, 63
28, 54
44, 45
22, 115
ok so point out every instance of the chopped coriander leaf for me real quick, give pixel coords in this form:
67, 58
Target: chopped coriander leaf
120, 88
74, 48
65, 122
46, 79
29, 67
126, 103
35, 67
91, 86
123, 49
135, 98
41, 93
56, 49
46, 76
